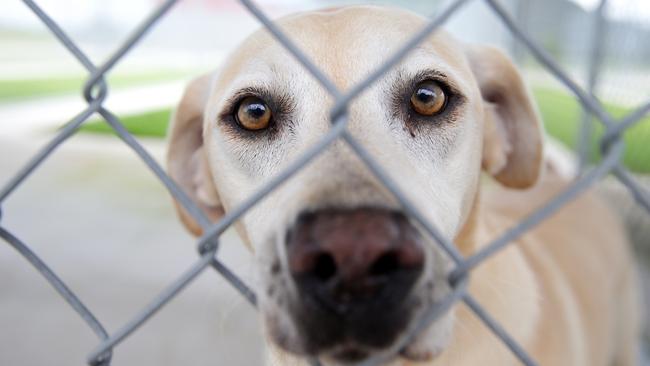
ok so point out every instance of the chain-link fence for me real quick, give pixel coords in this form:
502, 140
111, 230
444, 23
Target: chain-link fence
95, 92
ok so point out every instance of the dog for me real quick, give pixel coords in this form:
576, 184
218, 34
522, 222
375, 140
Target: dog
344, 273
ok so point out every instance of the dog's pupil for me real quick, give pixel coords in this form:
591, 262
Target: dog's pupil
256, 110
425, 95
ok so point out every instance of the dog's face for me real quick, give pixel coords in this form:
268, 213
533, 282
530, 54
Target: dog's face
344, 273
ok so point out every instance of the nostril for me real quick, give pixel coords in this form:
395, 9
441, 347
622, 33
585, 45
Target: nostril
324, 267
386, 264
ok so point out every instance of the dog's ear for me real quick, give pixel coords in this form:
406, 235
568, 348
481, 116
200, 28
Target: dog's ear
512, 140
187, 161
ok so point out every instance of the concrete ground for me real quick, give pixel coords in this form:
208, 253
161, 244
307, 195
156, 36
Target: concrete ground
107, 227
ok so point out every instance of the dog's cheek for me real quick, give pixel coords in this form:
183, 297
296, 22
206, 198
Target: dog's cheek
435, 288
274, 296
281, 331
278, 324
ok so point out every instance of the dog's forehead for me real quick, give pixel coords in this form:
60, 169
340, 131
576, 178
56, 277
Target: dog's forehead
346, 44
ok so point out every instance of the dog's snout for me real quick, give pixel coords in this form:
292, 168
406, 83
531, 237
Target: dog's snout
344, 258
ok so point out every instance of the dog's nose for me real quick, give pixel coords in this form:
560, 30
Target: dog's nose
344, 258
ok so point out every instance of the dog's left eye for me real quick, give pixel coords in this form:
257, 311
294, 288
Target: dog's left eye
428, 98
253, 114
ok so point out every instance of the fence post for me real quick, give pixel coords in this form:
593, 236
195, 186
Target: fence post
598, 43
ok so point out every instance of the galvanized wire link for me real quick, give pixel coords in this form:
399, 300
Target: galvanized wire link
418, 38
302, 161
291, 47
189, 205
68, 130
627, 122
519, 352
136, 36
95, 91
152, 308
584, 147
70, 46
642, 197
97, 78
559, 201
410, 208
545, 59
60, 287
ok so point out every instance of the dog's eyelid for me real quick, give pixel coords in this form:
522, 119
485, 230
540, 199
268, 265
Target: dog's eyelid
240, 94
406, 80
279, 102
446, 82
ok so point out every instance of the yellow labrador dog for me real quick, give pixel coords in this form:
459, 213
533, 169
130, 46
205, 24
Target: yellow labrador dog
344, 273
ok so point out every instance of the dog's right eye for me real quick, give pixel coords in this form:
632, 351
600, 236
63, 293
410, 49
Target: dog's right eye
253, 114
428, 98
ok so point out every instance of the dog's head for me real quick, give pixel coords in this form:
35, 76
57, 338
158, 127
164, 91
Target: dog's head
344, 272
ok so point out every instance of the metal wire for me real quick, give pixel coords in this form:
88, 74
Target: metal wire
96, 89
595, 63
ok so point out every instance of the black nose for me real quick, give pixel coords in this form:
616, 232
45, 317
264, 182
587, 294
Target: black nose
355, 268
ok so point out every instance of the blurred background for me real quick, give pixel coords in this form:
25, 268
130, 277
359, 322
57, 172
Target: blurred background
107, 226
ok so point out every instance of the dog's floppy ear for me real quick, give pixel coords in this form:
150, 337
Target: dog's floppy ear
512, 143
187, 161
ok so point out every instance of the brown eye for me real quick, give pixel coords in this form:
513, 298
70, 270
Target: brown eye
253, 114
428, 98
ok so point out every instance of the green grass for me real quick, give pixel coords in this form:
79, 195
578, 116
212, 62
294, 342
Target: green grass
12, 90
561, 114
149, 124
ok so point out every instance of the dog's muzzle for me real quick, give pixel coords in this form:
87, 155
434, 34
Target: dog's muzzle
354, 272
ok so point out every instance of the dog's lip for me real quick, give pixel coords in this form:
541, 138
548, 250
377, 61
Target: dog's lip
408, 353
353, 354
350, 354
